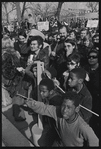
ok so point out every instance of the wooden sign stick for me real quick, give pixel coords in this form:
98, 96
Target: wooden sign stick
80, 104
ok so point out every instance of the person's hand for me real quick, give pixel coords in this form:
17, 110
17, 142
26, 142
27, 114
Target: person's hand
56, 82
47, 73
21, 69
30, 102
18, 55
29, 62
53, 53
87, 77
18, 100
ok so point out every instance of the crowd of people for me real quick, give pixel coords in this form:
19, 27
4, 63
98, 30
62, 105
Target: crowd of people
70, 78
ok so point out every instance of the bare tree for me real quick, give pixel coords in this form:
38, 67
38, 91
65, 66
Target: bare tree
6, 11
20, 12
14, 6
23, 10
18, 9
93, 6
59, 10
46, 10
37, 9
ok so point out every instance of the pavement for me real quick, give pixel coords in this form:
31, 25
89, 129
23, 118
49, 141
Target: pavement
20, 133
16, 133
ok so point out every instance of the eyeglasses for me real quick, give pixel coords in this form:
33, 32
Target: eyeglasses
71, 63
94, 57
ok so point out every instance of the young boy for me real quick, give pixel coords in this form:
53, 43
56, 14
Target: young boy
72, 128
73, 61
76, 83
50, 96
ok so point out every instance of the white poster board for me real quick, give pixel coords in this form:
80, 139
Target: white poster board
43, 26
92, 23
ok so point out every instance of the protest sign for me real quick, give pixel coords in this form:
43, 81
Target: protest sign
92, 23
43, 26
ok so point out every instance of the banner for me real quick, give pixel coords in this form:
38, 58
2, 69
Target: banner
92, 23
43, 26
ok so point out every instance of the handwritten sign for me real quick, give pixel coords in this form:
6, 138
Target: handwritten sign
92, 23
43, 26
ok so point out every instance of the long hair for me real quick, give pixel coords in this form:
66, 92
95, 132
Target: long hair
67, 40
6, 42
9, 63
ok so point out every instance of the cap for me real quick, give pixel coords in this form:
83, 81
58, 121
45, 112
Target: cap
35, 32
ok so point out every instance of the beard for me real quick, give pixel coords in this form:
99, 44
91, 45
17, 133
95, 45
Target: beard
63, 38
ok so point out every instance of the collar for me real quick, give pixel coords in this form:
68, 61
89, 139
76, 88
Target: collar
83, 90
35, 53
76, 116
79, 90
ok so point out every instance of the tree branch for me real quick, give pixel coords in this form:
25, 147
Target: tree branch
23, 9
11, 10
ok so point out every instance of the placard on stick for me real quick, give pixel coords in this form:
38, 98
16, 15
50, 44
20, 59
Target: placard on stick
43, 26
92, 23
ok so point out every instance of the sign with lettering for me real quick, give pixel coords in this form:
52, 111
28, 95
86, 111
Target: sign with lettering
92, 23
43, 26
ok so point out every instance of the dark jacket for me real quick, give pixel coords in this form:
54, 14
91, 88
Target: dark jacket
24, 51
21, 88
56, 100
86, 101
93, 86
83, 51
43, 56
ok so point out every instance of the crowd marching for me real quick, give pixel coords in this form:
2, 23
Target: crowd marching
69, 86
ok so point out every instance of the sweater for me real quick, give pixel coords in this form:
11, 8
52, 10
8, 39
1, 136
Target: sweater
72, 134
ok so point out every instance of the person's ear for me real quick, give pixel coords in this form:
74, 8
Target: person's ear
51, 92
40, 46
73, 46
77, 109
80, 81
78, 64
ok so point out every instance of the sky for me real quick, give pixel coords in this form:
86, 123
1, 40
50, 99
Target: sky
72, 5
65, 6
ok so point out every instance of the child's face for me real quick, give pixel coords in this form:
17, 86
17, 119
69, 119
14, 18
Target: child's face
71, 65
68, 109
44, 92
73, 80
